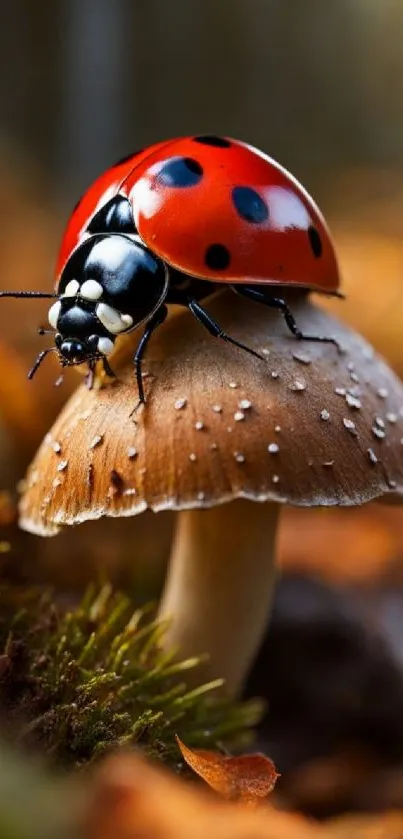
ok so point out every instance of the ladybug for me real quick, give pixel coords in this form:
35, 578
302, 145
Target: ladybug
164, 224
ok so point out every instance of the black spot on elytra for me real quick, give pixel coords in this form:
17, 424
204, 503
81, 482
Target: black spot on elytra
180, 172
249, 204
212, 140
114, 217
315, 242
217, 257
127, 157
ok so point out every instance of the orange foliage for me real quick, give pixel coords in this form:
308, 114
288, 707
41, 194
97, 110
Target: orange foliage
132, 799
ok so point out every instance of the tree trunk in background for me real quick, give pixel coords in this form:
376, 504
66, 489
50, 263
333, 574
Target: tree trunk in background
96, 71
314, 83
29, 54
189, 60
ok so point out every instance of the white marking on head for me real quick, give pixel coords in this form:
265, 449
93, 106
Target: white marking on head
91, 290
127, 320
54, 313
71, 289
105, 346
110, 318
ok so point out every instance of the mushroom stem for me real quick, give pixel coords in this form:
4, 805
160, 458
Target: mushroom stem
219, 587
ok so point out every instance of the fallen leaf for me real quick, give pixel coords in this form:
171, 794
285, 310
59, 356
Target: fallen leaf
130, 798
247, 778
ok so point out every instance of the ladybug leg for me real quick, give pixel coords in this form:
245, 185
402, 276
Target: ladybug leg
108, 369
215, 329
281, 305
39, 360
156, 320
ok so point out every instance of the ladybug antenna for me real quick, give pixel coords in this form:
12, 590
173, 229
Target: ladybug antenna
39, 360
27, 294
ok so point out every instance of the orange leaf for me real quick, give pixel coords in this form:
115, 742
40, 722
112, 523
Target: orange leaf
246, 778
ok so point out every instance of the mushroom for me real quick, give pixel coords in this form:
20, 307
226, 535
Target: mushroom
305, 426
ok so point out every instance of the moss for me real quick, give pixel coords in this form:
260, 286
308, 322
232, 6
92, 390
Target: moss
77, 683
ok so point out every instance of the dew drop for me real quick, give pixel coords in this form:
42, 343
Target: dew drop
353, 401
350, 425
273, 448
298, 385
378, 432
303, 359
96, 441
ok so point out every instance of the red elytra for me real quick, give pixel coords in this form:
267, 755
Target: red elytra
217, 209
106, 186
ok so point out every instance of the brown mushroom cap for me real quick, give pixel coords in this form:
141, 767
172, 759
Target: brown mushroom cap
305, 426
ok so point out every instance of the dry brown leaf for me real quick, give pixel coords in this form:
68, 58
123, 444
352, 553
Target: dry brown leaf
247, 778
132, 799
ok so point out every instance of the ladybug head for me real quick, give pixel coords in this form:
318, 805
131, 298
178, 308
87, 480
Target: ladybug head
110, 284
75, 351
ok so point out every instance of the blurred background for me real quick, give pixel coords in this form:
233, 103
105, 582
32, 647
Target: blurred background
317, 86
